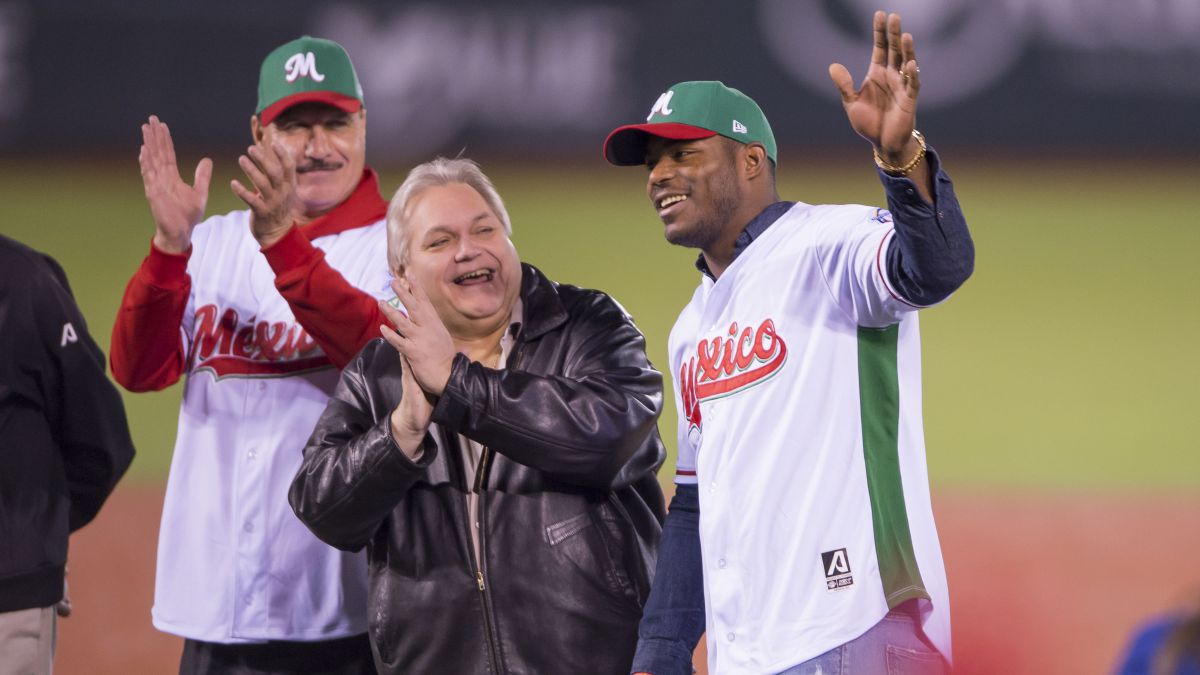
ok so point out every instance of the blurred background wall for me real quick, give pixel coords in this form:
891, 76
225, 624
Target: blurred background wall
547, 77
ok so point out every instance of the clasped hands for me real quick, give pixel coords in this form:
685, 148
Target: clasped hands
426, 353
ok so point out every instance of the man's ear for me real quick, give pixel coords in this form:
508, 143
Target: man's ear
754, 160
256, 129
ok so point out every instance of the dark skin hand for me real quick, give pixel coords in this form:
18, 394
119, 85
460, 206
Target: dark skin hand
883, 109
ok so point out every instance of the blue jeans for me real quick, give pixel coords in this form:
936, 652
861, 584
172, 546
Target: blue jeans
894, 646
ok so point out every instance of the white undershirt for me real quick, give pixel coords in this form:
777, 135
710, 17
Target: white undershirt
472, 450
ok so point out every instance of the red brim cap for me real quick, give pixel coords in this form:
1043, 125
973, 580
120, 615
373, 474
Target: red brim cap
626, 146
341, 101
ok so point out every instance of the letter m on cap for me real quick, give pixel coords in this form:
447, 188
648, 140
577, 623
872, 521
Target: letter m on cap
662, 105
302, 65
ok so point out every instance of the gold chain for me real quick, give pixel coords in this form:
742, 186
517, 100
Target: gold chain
912, 163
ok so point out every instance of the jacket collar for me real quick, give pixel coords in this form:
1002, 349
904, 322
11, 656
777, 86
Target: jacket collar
543, 310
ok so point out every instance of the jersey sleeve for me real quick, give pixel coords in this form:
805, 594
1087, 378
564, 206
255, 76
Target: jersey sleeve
852, 248
148, 350
881, 264
339, 316
685, 461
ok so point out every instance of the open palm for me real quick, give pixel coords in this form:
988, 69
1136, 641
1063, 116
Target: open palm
175, 206
883, 109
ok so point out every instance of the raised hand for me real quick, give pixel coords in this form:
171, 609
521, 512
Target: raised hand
273, 203
420, 337
883, 109
175, 206
410, 420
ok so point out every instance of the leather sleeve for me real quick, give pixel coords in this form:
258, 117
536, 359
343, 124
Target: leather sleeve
353, 473
583, 425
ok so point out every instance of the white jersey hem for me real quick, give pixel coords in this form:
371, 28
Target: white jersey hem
227, 637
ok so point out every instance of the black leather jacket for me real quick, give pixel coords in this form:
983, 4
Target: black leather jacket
570, 508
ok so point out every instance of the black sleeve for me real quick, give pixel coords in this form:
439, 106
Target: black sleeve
86, 411
353, 473
932, 253
583, 425
673, 619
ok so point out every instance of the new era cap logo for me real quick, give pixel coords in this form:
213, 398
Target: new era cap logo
662, 105
837, 570
739, 128
302, 65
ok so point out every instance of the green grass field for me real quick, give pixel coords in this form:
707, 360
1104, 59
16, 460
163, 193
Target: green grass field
1065, 362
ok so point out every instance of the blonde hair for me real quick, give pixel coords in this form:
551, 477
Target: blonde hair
439, 171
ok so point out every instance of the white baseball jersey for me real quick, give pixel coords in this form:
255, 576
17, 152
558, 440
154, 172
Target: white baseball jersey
234, 562
798, 387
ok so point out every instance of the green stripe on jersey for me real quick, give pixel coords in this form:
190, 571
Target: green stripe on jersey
879, 398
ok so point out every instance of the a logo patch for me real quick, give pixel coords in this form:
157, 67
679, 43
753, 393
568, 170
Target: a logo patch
68, 335
302, 65
837, 570
739, 128
662, 105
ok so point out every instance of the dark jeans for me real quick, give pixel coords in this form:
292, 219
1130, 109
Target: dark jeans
345, 656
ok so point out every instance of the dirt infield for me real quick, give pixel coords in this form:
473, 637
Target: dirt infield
1038, 584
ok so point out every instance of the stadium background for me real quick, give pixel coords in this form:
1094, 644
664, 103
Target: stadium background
1060, 382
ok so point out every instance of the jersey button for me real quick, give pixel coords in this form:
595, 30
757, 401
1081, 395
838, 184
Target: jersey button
729, 636
248, 526
721, 563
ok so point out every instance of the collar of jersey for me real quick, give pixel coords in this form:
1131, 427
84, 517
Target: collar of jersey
363, 207
752, 231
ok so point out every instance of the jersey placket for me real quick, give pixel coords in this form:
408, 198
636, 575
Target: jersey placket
250, 509
252, 490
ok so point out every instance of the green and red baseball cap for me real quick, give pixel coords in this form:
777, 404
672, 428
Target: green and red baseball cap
303, 70
690, 111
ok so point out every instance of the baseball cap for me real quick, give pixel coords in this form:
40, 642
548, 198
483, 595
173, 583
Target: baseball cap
307, 69
689, 111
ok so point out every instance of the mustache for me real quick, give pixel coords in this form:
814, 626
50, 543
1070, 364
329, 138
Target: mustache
318, 165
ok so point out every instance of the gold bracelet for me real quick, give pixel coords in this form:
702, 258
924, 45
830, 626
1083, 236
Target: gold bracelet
907, 168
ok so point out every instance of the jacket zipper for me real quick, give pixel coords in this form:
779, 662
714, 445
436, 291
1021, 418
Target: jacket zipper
481, 472
478, 483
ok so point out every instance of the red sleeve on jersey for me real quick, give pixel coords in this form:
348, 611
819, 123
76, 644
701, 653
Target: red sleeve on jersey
338, 316
147, 353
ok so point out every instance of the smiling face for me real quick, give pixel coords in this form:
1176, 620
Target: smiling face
329, 147
460, 255
694, 187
